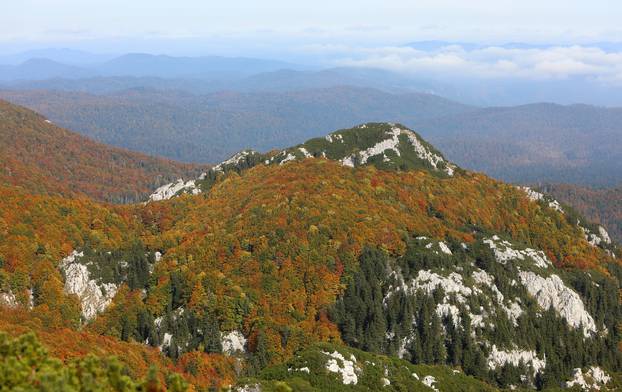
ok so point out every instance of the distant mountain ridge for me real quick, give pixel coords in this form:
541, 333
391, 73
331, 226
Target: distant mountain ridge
40, 69
529, 143
140, 65
210, 128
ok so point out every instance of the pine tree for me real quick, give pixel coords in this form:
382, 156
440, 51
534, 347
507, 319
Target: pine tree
211, 336
439, 353
260, 357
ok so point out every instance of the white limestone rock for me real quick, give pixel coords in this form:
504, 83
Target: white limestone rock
604, 235
8, 300
166, 341
249, 388
498, 358
596, 239
348, 161
512, 309
504, 252
552, 291
233, 342
429, 281
167, 191
429, 382
427, 155
381, 147
448, 310
234, 160
537, 196
94, 296
391, 143
444, 248
305, 153
347, 368
289, 157
592, 380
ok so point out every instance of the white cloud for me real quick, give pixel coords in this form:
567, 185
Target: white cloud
487, 62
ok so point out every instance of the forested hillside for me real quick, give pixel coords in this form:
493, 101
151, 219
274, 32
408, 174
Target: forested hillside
602, 206
535, 143
210, 128
527, 144
44, 158
321, 268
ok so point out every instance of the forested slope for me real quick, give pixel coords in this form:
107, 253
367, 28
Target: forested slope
602, 206
352, 256
42, 157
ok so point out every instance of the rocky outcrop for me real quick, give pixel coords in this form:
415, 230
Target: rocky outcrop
94, 297
504, 252
233, 342
537, 196
347, 368
167, 191
552, 292
8, 299
592, 380
597, 239
499, 358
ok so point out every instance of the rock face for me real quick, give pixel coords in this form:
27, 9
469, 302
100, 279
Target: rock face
498, 358
592, 380
235, 160
94, 297
8, 299
429, 382
233, 342
392, 145
337, 363
552, 292
597, 239
537, 196
504, 252
548, 291
167, 191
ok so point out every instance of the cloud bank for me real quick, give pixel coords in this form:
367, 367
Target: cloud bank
509, 61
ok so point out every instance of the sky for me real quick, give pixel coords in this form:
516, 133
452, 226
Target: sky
320, 21
337, 32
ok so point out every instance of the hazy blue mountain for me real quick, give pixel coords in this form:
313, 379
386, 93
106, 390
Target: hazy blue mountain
62, 55
38, 69
138, 64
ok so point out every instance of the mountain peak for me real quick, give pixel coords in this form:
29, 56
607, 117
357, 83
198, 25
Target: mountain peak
387, 146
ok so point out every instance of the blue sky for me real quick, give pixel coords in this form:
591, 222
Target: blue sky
320, 21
